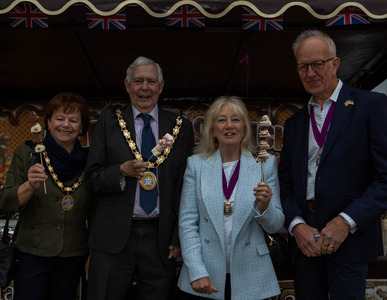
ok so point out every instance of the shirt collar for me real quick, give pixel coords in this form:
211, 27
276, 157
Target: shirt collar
333, 97
154, 112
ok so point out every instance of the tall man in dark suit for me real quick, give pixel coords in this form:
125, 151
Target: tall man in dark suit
333, 177
134, 230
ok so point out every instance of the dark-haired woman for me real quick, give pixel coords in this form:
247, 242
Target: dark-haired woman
53, 202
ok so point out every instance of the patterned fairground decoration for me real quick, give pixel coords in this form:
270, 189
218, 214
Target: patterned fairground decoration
16, 123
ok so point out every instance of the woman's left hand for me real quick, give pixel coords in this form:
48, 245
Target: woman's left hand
263, 194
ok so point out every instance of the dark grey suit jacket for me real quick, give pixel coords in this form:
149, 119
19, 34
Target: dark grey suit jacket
109, 149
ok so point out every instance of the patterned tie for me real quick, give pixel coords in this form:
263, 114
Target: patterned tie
148, 199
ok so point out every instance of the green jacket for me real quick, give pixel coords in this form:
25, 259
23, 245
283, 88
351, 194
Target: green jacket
45, 229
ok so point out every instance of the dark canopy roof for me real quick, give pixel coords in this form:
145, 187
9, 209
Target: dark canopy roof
210, 8
37, 63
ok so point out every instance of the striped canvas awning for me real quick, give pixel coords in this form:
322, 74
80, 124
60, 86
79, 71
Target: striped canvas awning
321, 9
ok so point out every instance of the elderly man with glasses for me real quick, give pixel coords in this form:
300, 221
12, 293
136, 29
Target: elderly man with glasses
333, 177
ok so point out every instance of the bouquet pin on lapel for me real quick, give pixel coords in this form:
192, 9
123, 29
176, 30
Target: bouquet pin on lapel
148, 181
36, 129
263, 134
166, 141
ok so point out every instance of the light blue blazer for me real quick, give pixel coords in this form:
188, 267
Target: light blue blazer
201, 229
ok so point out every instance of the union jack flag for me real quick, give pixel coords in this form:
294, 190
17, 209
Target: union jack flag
186, 16
348, 16
27, 15
114, 22
251, 21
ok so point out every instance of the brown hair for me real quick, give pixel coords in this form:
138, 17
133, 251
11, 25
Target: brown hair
69, 102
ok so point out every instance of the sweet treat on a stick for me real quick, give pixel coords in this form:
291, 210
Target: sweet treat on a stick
36, 128
263, 145
263, 133
166, 141
263, 155
265, 121
40, 148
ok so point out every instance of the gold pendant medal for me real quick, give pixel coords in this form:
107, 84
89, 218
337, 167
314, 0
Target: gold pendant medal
67, 202
227, 210
148, 181
318, 157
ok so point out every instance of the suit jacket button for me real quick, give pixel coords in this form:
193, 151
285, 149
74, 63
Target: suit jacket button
207, 240
205, 219
247, 243
59, 226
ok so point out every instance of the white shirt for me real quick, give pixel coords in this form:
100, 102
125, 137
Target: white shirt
229, 168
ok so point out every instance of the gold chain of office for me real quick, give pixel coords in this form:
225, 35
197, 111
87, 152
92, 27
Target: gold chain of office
67, 189
132, 144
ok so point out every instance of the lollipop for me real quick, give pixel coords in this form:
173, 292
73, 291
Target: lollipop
36, 129
166, 141
263, 134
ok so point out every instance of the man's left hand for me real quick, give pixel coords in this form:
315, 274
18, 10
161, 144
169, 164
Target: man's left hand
332, 236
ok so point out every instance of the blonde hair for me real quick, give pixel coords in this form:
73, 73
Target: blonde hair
208, 144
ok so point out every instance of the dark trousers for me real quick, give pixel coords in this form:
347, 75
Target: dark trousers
47, 278
111, 275
316, 277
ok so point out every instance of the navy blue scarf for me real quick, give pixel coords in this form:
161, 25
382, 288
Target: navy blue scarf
66, 165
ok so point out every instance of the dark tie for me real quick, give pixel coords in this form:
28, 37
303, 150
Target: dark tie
148, 199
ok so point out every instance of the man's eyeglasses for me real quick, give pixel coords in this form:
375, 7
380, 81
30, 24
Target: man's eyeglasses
316, 65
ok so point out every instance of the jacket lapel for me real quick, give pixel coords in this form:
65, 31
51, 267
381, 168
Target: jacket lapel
166, 123
212, 192
340, 115
301, 139
244, 197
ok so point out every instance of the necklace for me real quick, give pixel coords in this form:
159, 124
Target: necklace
227, 190
67, 201
321, 136
149, 181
